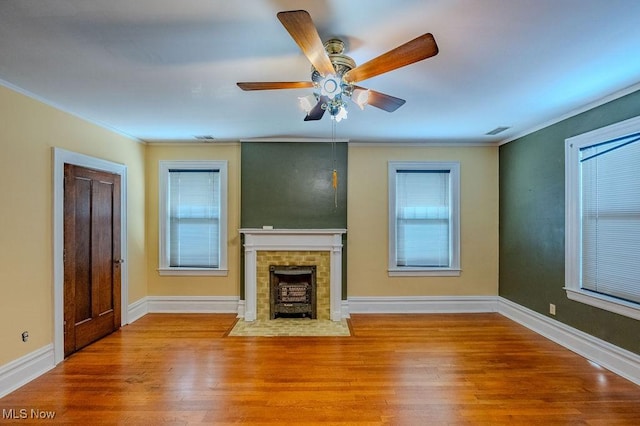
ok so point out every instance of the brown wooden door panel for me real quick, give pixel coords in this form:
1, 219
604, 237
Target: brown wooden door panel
102, 248
93, 329
92, 253
82, 248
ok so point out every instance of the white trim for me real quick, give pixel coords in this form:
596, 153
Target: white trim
192, 304
164, 167
184, 305
612, 97
424, 272
257, 239
618, 306
344, 308
241, 308
138, 309
426, 143
21, 371
60, 158
190, 142
422, 304
192, 272
64, 109
602, 134
620, 361
283, 139
613, 358
453, 167
573, 218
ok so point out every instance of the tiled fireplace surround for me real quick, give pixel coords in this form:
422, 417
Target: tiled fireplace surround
320, 247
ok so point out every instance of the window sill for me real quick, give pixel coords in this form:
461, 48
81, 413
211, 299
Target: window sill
196, 272
424, 272
621, 307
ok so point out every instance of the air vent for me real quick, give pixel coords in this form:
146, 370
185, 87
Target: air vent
497, 130
205, 138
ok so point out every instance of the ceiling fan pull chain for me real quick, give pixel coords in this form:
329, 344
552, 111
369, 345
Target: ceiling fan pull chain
334, 173
334, 181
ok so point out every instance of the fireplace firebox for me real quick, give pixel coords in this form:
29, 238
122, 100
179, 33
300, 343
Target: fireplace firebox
293, 291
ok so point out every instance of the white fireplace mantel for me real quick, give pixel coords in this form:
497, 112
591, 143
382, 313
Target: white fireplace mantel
262, 239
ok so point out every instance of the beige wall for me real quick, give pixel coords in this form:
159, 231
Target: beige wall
28, 131
194, 286
367, 220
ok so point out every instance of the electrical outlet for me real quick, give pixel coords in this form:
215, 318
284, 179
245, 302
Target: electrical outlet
25, 336
552, 309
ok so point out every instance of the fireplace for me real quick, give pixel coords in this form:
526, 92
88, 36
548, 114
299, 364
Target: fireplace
304, 247
292, 291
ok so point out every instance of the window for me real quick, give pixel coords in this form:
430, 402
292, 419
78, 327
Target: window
193, 225
424, 218
603, 218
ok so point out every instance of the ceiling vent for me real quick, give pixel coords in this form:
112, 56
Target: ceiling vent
205, 138
497, 130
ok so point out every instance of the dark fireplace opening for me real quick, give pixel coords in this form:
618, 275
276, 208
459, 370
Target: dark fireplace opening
292, 291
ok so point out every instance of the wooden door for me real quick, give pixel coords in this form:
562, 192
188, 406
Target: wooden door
91, 256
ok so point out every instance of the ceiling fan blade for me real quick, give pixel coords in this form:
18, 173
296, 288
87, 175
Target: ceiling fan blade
380, 100
317, 111
420, 48
272, 85
304, 33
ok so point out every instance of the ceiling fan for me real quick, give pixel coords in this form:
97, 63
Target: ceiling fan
334, 75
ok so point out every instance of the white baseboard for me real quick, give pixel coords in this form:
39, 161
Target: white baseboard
620, 361
192, 304
611, 357
421, 304
138, 309
344, 309
241, 308
21, 371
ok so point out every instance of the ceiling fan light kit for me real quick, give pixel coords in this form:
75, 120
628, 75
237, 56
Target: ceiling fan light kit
307, 102
334, 74
360, 97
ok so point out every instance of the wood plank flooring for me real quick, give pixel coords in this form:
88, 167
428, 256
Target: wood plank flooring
396, 369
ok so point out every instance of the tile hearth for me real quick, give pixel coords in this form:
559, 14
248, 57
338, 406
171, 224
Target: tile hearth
291, 327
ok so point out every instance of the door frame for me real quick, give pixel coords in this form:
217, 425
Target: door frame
60, 158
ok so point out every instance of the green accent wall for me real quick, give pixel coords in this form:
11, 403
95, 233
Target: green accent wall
532, 224
289, 185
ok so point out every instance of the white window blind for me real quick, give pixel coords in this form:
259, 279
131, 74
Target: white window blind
610, 229
423, 218
194, 218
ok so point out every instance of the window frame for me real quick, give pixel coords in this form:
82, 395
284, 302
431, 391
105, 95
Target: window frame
164, 168
573, 219
453, 167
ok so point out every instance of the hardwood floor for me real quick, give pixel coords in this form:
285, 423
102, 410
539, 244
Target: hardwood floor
397, 369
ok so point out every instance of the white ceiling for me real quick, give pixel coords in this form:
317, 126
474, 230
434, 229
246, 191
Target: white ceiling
165, 70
